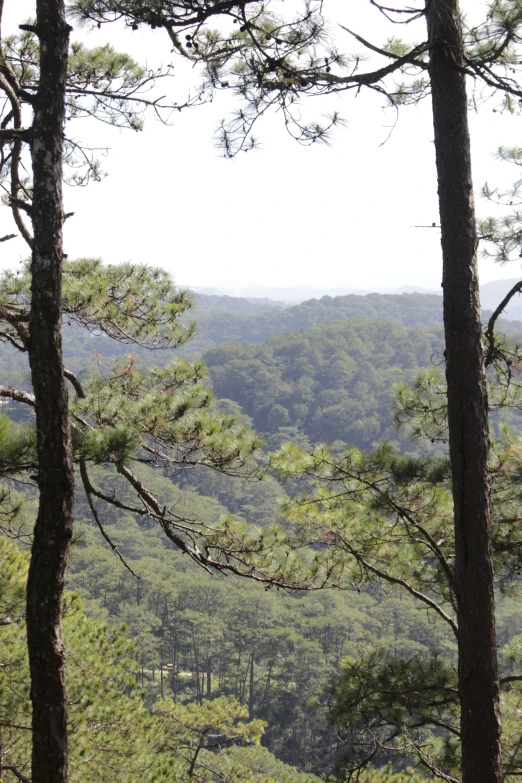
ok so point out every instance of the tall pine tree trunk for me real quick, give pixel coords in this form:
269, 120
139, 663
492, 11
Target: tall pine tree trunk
467, 402
53, 529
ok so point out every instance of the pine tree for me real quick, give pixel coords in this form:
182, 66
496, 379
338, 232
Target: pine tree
268, 63
388, 519
490, 53
43, 88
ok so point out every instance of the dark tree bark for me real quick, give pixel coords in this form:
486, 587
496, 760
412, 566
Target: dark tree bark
467, 402
53, 528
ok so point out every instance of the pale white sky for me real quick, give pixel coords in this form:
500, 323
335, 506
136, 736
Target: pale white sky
280, 216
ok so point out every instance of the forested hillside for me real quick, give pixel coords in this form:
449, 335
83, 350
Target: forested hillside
275, 652
216, 328
331, 382
213, 303
197, 639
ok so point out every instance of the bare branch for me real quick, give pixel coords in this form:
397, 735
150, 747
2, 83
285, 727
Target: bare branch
78, 388
11, 339
429, 765
18, 136
17, 394
370, 46
17, 773
402, 582
14, 134
511, 678
412, 13
86, 485
490, 331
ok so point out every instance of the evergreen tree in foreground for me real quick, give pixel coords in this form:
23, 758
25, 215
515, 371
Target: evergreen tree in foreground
386, 518
134, 420
489, 53
277, 63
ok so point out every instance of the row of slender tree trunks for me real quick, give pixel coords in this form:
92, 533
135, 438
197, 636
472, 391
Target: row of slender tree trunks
467, 404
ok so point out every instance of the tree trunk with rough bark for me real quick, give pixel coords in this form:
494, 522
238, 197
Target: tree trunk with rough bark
53, 528
467, 402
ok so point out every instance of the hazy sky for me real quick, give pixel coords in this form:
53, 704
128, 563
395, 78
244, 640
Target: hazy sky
342, 215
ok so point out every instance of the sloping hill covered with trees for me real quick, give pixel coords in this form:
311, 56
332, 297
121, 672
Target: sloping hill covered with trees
331, 382
215, 328
197, 640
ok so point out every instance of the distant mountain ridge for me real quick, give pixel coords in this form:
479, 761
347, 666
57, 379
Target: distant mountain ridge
244, 302
292, 295
213, 303
216, 327
225, 319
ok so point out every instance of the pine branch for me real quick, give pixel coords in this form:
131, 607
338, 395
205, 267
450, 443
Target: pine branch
86, 486
17, 773
17, 394
511, 678
14, 134
490, 331
78, 388
402, 582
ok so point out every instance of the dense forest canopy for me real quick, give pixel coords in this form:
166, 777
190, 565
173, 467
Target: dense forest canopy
333, 381
276, 654
408, 309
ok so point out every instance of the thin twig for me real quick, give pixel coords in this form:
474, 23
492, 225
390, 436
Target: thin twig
86, 486
17, 774
490, 331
